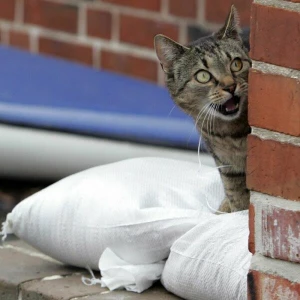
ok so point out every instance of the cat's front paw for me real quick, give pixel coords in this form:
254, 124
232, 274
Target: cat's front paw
224, 207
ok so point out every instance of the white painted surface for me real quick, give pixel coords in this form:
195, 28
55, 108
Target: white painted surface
41, 154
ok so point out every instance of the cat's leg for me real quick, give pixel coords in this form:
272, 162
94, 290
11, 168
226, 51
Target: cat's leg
224, 207
236, 192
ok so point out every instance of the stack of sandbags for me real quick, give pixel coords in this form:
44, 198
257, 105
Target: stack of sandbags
211, 261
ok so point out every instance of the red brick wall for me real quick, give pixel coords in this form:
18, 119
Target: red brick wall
116, 35
273, 164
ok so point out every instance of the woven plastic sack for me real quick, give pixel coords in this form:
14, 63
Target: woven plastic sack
211, 261
136, 207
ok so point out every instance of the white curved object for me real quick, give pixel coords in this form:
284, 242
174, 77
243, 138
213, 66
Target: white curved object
41, 154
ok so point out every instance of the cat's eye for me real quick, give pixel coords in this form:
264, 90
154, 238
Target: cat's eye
236, 65
203, 76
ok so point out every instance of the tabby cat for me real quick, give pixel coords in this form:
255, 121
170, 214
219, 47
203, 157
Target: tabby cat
208, 79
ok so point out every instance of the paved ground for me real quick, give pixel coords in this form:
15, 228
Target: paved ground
27, 274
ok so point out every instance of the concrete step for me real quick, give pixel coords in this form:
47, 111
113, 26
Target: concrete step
27, 274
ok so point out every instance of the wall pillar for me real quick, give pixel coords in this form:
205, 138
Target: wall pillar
273, 163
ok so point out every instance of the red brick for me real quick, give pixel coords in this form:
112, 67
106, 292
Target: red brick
217, 11
99, 23
263, 286
187, 8
19, 39
129, 65
147, 29
273, 168
274, 102
275, 36
70, 51
52, 15
153, 5
281, 233
7, 9
251, 244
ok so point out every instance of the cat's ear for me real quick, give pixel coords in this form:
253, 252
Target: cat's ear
231, 29
167, 51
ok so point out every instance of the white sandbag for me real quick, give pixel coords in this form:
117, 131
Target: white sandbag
136, 207
211, 261
117, 273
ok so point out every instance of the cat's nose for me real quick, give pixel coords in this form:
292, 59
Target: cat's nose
230, 89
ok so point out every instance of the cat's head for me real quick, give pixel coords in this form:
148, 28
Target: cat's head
209, 75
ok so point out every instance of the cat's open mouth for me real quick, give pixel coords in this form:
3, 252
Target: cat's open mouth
230, 107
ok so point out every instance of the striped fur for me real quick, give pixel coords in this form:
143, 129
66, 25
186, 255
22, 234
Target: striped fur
219, 106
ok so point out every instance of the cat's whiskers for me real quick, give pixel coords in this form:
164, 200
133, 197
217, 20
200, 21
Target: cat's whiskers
200, 137
216, 109
213, 117
171, 111
199, 115
208, 121
210, 118
203, 122
196, 122
243, 88
202, 111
